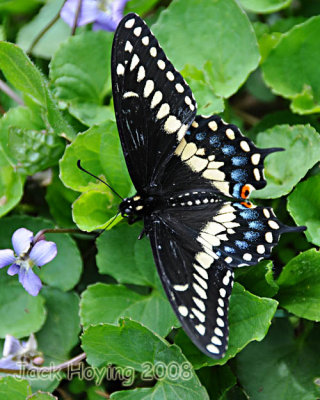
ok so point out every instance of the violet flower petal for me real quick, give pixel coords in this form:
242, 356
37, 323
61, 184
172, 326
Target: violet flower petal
8, 363
11, 346
30, 281
21, 240
43, 252
6, 257
13, 269
109, 20
88, 13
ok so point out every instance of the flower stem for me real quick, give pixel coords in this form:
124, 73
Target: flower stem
45, 29
40, 234
8, 91
75, 22
65, 365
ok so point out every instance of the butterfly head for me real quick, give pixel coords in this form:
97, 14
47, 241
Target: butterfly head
132, 208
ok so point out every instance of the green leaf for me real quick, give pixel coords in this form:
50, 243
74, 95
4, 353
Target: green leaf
42, 396
60, 332
25, 77
80, 68
52, 39
210, 47
291, 68
103, 303
34, 150
20, 313
249, 319
18, 6
11, 185
299, 284
140, 6
12, 388
124, 257
90, 114
265, 6
304, 207
59, 199
55, 273
218, 381
284, 170
282, 366
258, 279
100, 206
99, 151
132, 345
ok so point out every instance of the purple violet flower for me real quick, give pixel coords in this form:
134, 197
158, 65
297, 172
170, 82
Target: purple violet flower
17, 354
28, 252
105, 14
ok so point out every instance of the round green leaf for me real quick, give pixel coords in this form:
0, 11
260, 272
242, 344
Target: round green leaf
133, 345
80, 68
127, 259
12, 388
282, 366
211, 46
291, 68
304, 207
11, 185
100, 206
61, 330
299, 284
265, 6
20, 313
249, 319
284, 170
259, 279
100, 153
103, 303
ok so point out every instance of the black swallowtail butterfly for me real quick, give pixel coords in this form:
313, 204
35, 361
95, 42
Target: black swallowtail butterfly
193, 175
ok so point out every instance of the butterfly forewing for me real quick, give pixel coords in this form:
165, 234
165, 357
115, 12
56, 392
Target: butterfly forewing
153, 104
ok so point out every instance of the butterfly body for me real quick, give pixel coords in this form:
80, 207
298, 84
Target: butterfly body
193, 176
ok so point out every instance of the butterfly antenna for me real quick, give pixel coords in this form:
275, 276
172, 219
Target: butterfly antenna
94, 176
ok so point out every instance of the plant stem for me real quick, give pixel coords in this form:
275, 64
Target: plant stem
75, 22
8, 91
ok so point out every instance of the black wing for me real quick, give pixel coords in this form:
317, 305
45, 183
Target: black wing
216, 157
195, 253
154, 106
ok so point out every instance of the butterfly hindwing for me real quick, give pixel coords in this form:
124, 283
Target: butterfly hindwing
197, 285
154, 106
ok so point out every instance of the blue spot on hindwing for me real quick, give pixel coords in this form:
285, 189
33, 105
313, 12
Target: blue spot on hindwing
200, 135
249, 214
229, 249
241, 244
228, 150
251, 235
238, 161
256, 225
188, 133
239, 175
236, 193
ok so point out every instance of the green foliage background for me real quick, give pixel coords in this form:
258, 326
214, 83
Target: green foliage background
254, 61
